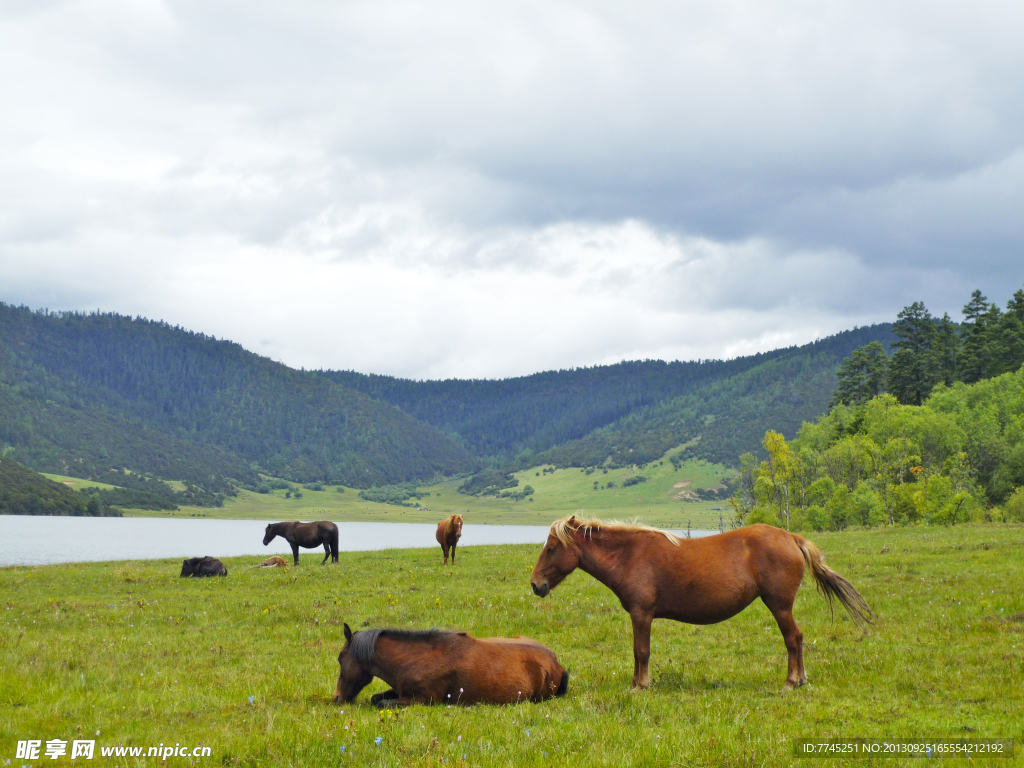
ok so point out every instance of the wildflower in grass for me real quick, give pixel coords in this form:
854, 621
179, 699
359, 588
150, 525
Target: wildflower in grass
378, 740
251, 699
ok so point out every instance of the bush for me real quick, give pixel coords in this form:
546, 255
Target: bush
392, 494
763, 515
636, 480
1014, 509
315, 487
817, 518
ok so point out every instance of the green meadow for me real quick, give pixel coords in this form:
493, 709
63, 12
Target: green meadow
128, 654
663, 500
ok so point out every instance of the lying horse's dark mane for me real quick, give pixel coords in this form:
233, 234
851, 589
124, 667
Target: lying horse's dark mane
364, 642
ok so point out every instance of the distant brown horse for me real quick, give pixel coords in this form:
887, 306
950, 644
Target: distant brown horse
449, 531
657, 575
439, 667
308, 535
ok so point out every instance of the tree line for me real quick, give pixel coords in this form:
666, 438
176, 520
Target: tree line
934, 433
929, 351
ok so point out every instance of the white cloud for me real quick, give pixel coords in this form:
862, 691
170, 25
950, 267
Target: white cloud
471, 189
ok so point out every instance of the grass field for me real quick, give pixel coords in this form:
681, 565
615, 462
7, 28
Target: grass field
247, 664
557, 493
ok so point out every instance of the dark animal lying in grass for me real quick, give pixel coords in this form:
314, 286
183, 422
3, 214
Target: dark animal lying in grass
309, 535
273, 562
203, 566
438, 667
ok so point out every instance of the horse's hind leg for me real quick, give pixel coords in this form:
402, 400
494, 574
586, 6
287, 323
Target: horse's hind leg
794, 639
327, 552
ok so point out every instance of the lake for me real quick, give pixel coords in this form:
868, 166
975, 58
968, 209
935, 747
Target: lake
27, 540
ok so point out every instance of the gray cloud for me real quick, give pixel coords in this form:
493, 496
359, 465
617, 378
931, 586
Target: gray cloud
544, 184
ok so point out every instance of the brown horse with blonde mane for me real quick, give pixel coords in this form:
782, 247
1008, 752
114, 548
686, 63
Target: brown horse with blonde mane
449, 531
657, 575
440, 667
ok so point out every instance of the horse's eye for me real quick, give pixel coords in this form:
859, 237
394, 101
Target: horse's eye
551, 549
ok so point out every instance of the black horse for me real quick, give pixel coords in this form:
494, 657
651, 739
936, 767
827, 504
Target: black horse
308, 535
203, 566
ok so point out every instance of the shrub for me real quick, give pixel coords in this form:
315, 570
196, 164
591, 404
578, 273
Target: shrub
1014, 509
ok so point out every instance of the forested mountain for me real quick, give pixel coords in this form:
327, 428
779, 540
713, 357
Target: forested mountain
81, 394
723, 419
95, 394
631, 412
582, 416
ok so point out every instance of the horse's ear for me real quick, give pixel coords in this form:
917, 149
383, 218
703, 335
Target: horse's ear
348, 634
571, 520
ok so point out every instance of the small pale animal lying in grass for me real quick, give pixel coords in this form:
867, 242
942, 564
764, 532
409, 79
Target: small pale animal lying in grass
273, 562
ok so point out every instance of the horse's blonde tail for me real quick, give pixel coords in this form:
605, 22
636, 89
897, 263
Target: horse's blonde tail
833, 586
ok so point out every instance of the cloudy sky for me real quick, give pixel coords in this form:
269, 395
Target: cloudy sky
435, 189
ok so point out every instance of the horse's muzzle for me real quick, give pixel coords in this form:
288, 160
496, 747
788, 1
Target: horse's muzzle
541, 591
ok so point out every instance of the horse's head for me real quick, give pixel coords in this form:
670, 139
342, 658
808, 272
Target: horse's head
457, 526
559, 558
354, 676
269, 535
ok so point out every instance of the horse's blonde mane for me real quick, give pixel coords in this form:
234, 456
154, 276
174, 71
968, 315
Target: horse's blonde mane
449, 523
564, 528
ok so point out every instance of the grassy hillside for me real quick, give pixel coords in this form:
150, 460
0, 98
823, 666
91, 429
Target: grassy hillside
80, 394
127, 653
666, 499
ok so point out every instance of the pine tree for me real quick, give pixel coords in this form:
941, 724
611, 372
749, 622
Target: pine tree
975, 361
912, 369
861, 376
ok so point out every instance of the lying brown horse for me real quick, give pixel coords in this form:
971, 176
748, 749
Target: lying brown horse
438, 667
308, 535
657, 575
449, 531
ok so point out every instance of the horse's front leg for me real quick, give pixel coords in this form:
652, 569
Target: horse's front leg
453, 552
295, 552
641, 649
389, 695
444, 548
